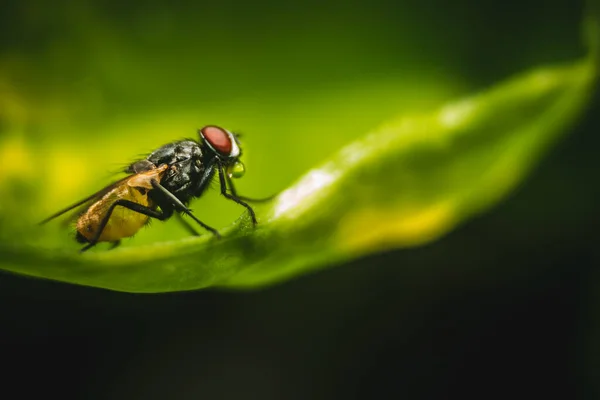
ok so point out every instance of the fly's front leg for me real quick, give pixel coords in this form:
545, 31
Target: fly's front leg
243, 198
234, 197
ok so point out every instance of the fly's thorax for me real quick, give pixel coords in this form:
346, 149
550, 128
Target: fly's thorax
186, 168
176, 152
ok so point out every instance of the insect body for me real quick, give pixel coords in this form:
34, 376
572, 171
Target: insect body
161, 185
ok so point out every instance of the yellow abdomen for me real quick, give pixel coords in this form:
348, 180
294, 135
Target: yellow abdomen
122, 223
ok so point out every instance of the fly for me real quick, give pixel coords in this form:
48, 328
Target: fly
161, 185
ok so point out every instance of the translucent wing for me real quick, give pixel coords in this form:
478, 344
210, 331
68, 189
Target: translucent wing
84, 203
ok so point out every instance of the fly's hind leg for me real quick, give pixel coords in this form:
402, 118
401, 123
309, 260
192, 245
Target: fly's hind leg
127, 204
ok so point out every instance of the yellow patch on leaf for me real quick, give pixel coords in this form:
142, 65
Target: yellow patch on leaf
385, 228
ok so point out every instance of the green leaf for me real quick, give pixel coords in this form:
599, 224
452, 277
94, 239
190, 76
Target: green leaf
405, 184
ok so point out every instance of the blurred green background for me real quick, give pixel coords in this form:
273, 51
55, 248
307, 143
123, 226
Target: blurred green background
507, 300
88, 88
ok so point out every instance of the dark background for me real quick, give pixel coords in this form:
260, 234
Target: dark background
507, 306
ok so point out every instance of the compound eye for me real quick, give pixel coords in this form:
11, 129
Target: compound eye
219, 140
236, 170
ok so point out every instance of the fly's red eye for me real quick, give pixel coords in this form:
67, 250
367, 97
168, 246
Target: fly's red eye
218, 139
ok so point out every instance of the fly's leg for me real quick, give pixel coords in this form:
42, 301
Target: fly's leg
179, 206
234, 197
243, 198
187, 225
